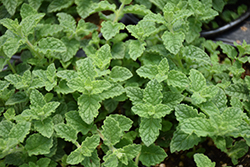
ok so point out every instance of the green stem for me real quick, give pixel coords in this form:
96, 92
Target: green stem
179, 61
118, 13
11, 67
137, 159
111, 147
32, 49
188, 99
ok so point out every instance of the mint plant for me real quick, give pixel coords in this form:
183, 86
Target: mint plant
134, 86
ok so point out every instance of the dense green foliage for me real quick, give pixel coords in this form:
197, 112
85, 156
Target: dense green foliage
130, 97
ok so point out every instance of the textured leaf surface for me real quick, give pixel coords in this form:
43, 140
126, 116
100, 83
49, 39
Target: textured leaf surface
110, 29
92, 161
73, 119
57, 5
183, 141
124, 123
152, 155
177, 79
75, 157
196, 54
111, 131
199, 126
89, 145
202, 160
20, 130
136, 48
51, 44
152, 93
86, 69
115, 90
103, 56
5, 127
10, 6
37, 144
88, 107
120, 74
67, 132
29, 22
67, 21
149, 130
238, 90
147, 71
172, 98
35, 3
11, 46
184, 111
135, 94
173, 41
45, 127
27, 10
198, 82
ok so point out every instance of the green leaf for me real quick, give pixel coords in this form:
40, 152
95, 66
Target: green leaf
29, 22
126, 2
86, 69
35, 3
198, 82
183, 111
20, 130
67, 21
103, 56
67, 74
135, 95
183, 141
220, 100
67, 132
5, 128
43, 162
11, 46
85, 7
88, 107
44, 127
232, 116
173, 41
152, 93
92, 161
37, 144
238, 90
111, 131
142, 30
196, 54
72, 46
3, 85
73, 119
89, 145
51, 44
10, 6
99, 86
199, 126
17, 98
115, 90
136, 9
9, 114
48, 77
120, 74
57, 5
11, 25
171, 98
209, 108
131, 150
152, 155
110, 160
37, 99
124, 123
45, 30
202, 160
110, 29
27, 10
149, 130
75, 157
177, 79
229, 50
147, 71
239, 149
136, 48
